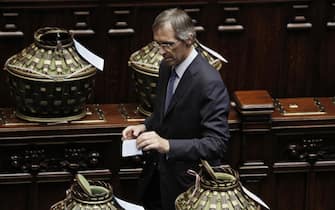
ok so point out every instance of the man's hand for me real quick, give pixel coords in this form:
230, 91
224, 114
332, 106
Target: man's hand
152, 141
133, 131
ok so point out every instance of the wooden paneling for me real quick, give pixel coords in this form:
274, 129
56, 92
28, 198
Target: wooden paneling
287, 198
327, 38
120, 37
322, 184
301, 49
281, 46
12, 200
251, 45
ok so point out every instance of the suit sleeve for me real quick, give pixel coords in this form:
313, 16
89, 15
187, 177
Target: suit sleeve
212, 144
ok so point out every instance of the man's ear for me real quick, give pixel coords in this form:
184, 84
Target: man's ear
190, 40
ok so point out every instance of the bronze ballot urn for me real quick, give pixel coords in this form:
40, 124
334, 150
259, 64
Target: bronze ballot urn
88, 195
49, 81
145, 65
216, 188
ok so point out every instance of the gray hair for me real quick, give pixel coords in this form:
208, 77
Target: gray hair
180, 21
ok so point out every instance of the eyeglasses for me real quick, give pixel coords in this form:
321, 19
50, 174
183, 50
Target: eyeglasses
165, 45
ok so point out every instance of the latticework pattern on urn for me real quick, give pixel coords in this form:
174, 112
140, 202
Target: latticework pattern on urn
218, 189
52, 56
145, 63
77, 199
49, 80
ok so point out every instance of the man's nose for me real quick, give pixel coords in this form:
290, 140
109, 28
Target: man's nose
161, 51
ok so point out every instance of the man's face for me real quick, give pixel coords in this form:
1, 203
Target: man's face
174, 51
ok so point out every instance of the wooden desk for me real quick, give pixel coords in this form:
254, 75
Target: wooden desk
287, 160
287, 152
37, 160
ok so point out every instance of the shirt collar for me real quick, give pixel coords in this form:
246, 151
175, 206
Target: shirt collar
181, 68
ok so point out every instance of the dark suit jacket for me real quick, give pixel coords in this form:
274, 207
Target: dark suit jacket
195, 123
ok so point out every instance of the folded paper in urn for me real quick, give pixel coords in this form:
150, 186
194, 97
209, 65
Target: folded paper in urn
92, 195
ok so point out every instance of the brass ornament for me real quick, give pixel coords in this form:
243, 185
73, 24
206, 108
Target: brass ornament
49, 80
145, 63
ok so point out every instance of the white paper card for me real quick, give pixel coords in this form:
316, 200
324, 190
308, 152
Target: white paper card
254, 197
129, 148
128, 206
215, 54
89, 56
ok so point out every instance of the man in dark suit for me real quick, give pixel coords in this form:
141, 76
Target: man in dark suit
186, 125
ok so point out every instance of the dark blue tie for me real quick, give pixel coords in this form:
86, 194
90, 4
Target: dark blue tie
169, 90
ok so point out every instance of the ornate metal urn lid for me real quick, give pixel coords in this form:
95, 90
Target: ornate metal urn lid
52, 56
88, 195
147, 59
217, 188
